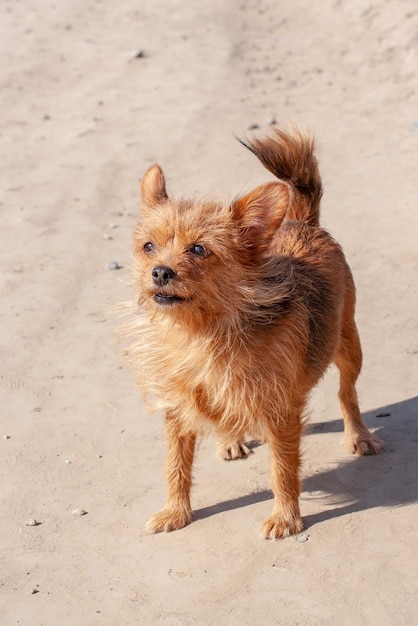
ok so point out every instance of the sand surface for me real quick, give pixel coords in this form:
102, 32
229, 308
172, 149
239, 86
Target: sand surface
92, 93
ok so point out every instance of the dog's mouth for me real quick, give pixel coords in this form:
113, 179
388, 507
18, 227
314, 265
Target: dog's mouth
167, 299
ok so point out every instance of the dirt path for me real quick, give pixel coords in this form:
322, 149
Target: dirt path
92, 93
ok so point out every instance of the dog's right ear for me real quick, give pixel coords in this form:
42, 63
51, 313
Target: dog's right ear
153, 187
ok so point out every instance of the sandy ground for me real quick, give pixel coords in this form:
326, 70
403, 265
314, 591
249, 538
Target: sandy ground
93, 92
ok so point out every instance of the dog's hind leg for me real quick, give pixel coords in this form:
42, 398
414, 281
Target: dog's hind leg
177, 511
348, 359
231, 448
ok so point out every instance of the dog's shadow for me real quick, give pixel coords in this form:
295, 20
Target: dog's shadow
386, 480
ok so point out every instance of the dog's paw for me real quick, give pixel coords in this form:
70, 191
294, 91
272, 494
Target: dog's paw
233, 450
277, 527
168, 519
363, 444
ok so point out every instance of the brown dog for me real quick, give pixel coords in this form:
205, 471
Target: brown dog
242, 306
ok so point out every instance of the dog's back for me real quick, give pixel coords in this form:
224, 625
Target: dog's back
320, 276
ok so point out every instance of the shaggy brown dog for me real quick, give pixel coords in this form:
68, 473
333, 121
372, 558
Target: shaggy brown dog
242, 307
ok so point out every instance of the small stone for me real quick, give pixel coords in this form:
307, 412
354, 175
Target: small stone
271, 121
107, 236
6, 436
302, 538
68, 462
139, 54
34, 590
253, 126
31, 522
113, 265
79, 512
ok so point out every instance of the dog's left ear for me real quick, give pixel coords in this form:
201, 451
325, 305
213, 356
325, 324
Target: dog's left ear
260, 213
153, 187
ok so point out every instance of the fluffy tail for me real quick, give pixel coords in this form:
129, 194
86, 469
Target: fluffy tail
289, 155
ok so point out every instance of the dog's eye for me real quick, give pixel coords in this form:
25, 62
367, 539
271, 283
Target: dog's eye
199, 250
149, 247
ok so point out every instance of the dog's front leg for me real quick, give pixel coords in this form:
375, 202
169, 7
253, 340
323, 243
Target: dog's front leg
284, 442
177, 511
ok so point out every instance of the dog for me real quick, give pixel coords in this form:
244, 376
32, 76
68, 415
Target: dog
242, 306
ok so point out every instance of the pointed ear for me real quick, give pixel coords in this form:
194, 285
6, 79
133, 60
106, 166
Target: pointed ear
261, 212
153, 187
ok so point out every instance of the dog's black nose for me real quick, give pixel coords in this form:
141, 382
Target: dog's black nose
162, 275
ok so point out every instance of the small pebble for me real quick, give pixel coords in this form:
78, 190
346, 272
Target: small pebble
79, 512
34, 591
6, 437
113, 265
139, 54
107, 236
68, 462
253, 126
302, 538
271, 121
31, 522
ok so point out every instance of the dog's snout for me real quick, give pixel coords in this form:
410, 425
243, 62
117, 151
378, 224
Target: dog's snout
162, 275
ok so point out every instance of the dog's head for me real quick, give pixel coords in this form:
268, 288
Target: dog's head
201, 256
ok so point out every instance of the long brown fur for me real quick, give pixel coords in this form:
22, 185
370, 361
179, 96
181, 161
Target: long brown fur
242, 307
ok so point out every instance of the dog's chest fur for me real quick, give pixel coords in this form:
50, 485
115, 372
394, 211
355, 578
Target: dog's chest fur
224, 382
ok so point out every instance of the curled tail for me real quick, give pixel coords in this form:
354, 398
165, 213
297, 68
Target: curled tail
289, 155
